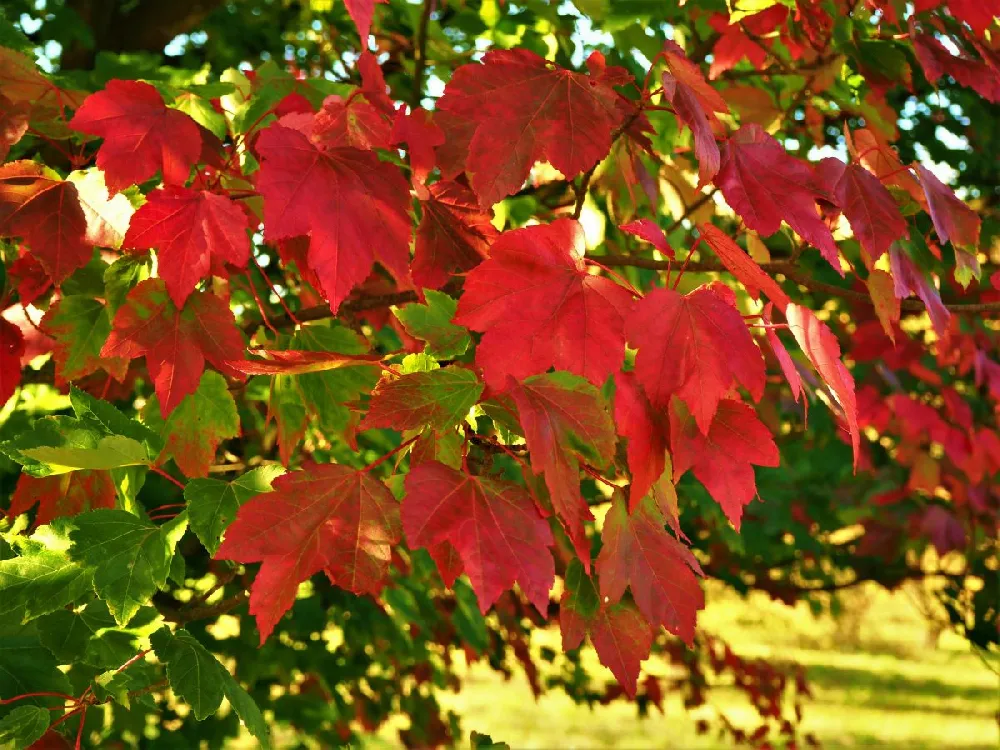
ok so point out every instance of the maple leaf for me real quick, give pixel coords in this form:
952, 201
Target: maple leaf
62, 494
821, 347
764, 185
650, 231
454, 235
421, 136
130, 556
564, 419
202, 420
742, 266
648, 433
493, 524
13, 124
79, 326
872, 151
722, 457
142, 136
781, 353
11, 349
354, 208
539, 308
298, 362
621, 636
954, 221
868, 206
432, 323
212, 504
176, 343
343, 122
362, 12
739, 38
436, 399
330, 518
911, 280
189, 229
539, 111
695, 104
694, 346
45, 212
937, 61
640, 554
882, 290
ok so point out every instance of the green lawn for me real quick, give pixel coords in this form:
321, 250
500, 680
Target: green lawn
878, 686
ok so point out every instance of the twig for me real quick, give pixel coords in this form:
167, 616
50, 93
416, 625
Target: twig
420, 53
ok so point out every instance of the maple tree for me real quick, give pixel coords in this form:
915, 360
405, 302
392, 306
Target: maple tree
461, 320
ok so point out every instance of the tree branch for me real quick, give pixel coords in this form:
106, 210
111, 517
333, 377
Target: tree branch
173, 611
789, 269
420, 53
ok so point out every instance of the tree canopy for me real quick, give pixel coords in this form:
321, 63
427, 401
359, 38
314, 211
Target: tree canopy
343, 341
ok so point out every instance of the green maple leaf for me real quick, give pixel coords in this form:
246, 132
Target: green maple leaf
100, 438
80, 326
130, 556
194, 429
201, 681
41, 581
432, 324
23, 726
212, 503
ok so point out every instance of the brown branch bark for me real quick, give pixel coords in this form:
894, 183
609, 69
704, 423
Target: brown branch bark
147, 25
789, 269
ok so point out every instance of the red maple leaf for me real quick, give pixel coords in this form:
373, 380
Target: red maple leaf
695, 104
694, 346
911, 280
454, 235
174, 342
564, 419
822, 348
639, 553
742, 266
13, 123
784, 358
354, 208
870, 149
141, 135
362, 12
45, 212
648, 433
870, 208
954, 221
937, 61
421, 136
764, 184
296, 362
539, 111
620, 634
649, 230
493, 524
739, 40
62, 494
330, 518
11, 349
722, 457
343, 122
539, 308
189, 229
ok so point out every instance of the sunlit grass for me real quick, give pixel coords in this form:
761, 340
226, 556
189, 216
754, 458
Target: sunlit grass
881, 685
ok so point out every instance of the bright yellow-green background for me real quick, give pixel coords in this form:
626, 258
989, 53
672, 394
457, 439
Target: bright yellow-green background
877, 683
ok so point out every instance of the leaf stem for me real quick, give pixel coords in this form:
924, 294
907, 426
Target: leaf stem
165, 475
390, 454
